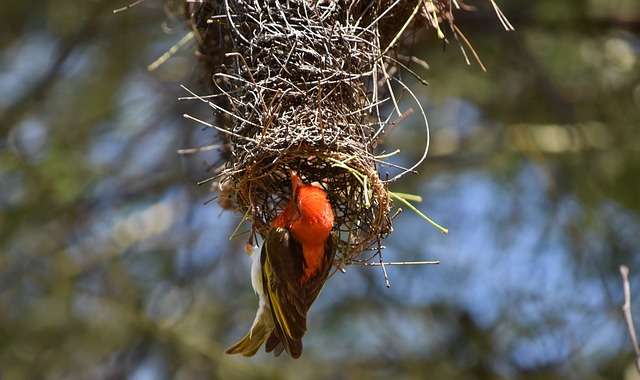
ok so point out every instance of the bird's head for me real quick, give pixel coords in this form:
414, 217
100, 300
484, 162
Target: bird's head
308, 205
296, 183
308, 201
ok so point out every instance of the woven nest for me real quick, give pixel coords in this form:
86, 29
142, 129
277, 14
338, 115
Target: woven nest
309, 86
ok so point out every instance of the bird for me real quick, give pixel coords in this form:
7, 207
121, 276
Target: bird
293, 265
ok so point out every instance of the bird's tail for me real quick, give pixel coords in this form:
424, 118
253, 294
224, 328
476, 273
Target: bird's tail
257, 335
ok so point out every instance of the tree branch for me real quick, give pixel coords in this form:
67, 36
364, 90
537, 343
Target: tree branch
628, 317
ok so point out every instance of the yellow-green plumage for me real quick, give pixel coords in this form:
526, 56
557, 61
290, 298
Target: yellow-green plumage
281, 320
253, 340
263, 325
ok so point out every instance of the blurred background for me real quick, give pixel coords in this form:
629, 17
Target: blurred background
113, 267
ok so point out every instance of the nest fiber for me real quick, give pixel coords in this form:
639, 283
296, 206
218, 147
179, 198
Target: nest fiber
309, 86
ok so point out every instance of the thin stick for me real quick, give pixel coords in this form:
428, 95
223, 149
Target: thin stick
503, 19
171, 52
217, 107
205, 148
408, 197
387, 155
389, 8
416, 60
387, 283
187, 116
428, 135
405, 26
127, 6
473, 51
235, 233
425, 262
628, 317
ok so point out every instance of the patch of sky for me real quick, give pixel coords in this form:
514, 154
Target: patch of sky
151, 154
215, 225
29, 139
80, 63
22, 64
153, 367
139, 103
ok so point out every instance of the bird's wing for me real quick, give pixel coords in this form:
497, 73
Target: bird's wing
315, 284
282, 265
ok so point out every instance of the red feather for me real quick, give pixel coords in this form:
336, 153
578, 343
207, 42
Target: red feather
310, 218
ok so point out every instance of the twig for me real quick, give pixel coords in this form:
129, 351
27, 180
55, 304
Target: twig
171, 52
628, 317
404, 27
428, 135
382, 264
425, 262
503, 19
205, 148
131, 5
187, 116
458, 32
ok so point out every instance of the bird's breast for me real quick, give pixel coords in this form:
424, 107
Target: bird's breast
311, 232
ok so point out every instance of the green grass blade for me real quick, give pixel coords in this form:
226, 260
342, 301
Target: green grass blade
420, 213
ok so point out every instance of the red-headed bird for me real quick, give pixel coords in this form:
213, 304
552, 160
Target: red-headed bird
292, 267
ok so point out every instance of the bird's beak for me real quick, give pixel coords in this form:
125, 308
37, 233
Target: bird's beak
295, 182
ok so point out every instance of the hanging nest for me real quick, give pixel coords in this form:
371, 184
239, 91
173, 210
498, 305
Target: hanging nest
310, 86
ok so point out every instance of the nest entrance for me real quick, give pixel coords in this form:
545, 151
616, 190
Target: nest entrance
358, 196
